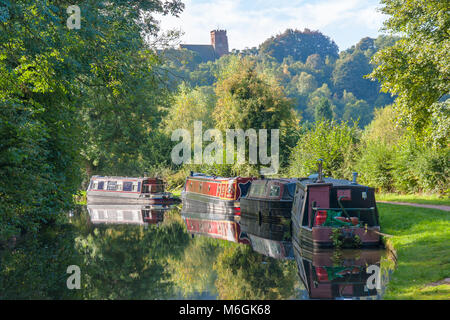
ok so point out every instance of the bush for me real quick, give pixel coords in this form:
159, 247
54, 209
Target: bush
335, 143
374, 166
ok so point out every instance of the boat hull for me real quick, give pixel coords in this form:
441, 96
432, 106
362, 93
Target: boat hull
208, 205
162, 199
320, 237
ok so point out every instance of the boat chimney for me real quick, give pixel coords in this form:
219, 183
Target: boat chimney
320, 176
355, 175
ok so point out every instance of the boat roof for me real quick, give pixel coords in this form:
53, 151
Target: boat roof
123, 178
282, 180
334, 182
204, 176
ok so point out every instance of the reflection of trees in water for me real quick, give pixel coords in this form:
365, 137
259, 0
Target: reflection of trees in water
128, 262
116, 262
193, 273
36, 267
245, 274
131, 262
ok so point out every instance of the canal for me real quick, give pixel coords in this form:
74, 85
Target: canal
128, 253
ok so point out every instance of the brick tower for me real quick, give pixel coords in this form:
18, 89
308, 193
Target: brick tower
219, 41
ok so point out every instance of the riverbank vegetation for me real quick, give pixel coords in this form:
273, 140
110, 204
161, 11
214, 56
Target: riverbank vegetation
74, 108
105, 99
420, 239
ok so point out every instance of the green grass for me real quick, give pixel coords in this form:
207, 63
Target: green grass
414, 198
421, 239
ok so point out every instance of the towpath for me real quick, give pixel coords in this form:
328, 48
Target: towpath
419, 205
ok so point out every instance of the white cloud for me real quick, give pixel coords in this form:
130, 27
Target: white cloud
249, 23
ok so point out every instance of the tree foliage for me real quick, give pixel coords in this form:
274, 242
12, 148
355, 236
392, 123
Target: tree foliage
416, 68
51, 79
335, 143
299, 45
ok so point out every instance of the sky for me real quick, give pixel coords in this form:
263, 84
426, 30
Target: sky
250, 22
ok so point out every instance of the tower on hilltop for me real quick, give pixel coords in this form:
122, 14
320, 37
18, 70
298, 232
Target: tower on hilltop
219, 41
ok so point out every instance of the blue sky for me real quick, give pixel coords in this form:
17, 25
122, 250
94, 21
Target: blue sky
250, 22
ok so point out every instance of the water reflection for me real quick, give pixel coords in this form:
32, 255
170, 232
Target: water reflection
125, 214
135, 252
340, 274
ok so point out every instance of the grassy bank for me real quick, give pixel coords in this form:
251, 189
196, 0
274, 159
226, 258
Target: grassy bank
421, 239
414, 198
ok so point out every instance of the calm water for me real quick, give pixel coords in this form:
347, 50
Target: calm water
127, 253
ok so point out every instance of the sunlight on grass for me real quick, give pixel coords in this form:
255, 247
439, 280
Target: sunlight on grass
421, 238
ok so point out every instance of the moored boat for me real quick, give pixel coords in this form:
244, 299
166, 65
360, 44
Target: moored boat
269, 200
329, 211
142, 190
214, 197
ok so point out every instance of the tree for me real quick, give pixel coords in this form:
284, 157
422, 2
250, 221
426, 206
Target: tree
349, 75
306, 83
249, 100
416, 68
190, 105
299, 45
323, 110
50, 75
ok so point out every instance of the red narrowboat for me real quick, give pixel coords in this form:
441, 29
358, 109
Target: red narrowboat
150, 191
214, 197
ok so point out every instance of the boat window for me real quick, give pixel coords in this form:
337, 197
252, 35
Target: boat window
94, 186
100, 185
291, 189
274, 191
135, 187
112, 185
258, 190
119, 187
127, 186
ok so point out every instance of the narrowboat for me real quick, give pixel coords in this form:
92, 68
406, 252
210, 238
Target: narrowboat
125, 214
269, 200
330, 212
327, 274
219, 229
150, 191
214, 197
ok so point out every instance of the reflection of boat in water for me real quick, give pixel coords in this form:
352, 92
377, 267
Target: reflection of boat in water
323, 206
270, 237
125, 214
214, 197
272, 248
332, 274
150, 191
218, 229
